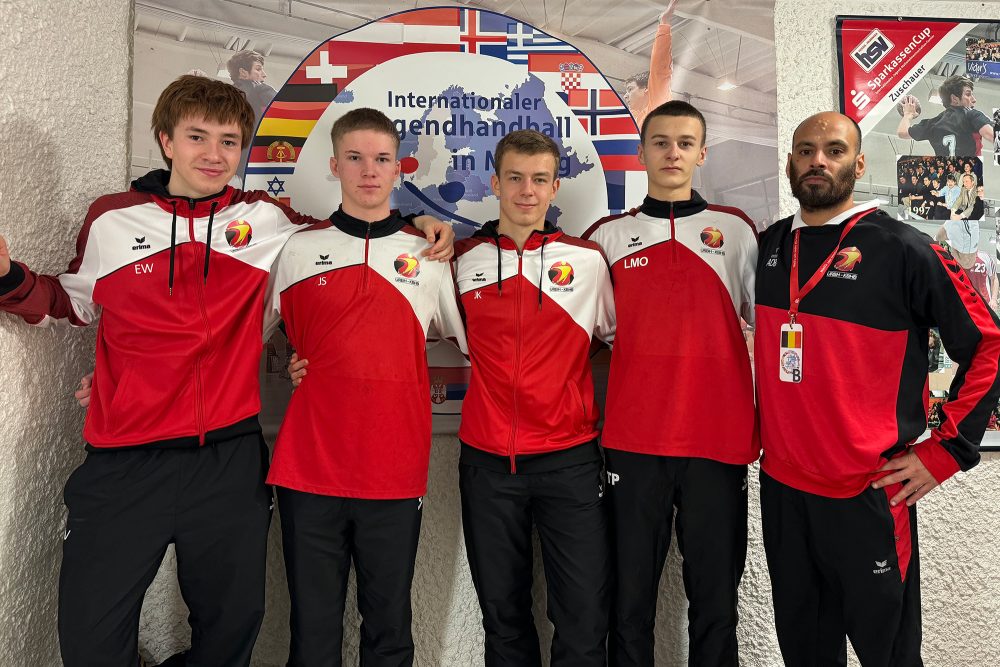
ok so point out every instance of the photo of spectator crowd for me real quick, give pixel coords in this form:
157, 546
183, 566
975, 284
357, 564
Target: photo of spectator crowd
933, 187
981, 49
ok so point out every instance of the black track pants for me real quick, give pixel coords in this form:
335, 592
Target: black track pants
711, 521
567, 508
321, 536
125, 507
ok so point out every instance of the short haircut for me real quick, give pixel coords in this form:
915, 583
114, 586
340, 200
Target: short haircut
363, 118
676, 108
954, 85
243, 60
528, 142
951, 178
641, 79
191, 96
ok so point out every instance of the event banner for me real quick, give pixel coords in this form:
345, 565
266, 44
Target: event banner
453, 81
925, 93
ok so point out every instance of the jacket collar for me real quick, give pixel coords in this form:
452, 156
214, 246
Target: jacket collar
362, 229
491, 232
657, 208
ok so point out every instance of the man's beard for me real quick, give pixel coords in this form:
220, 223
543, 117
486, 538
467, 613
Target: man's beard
817, 197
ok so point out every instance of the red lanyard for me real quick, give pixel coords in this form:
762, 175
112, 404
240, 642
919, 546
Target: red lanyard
796, 294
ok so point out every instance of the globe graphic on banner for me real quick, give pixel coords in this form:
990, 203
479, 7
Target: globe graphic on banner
453, 81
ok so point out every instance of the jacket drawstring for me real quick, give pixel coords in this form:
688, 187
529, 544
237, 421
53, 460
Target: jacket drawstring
499, 265
541, 271
208, 240
173, 248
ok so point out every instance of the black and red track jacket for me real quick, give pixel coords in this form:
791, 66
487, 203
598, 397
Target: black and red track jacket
863, 395
530, 319
680, 381
358, 302
180, 326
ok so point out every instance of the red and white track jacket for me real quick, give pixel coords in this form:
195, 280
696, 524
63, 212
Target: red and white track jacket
863, 395
180, 326
531, 316
680, 381
358, 301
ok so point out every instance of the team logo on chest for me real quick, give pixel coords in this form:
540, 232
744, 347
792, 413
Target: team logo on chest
845, 263
408, 268
712, 240
561, 276
239, 233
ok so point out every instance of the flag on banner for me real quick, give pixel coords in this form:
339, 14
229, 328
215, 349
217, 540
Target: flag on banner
600, 112
484, 33
523, 40
565, 71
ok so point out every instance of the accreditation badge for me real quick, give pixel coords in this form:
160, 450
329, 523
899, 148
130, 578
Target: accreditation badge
790, 353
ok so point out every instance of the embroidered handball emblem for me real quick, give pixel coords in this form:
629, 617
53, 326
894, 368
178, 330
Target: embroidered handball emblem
847, 259
712, 237
561, 273
407, 266
238, 233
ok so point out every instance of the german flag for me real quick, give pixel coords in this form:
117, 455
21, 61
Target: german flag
791, 339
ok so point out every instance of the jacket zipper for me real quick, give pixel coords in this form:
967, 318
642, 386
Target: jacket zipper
199, 391
364, 275
517, 359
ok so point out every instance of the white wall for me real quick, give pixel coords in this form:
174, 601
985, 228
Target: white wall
64, 116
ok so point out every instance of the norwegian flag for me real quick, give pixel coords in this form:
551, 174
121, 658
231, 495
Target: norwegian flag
600, 112
484, 33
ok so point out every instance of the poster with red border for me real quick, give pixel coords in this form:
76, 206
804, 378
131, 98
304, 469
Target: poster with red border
926, 94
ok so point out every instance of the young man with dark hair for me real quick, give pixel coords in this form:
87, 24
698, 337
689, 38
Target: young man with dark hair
533, 298
683, 274
841, 475
176, 267
958, 130
246, 69
350, 463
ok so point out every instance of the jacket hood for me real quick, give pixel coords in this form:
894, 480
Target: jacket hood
537, 239
155, 183
491, 230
